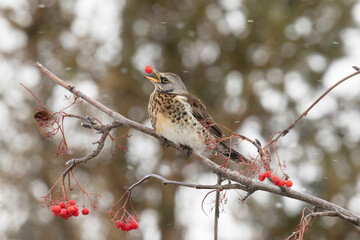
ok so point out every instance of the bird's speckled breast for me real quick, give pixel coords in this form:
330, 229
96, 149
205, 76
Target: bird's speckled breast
171, 117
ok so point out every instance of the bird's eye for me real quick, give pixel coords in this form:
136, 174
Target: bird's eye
164, 80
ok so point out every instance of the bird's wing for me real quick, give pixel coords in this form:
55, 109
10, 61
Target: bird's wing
200, 113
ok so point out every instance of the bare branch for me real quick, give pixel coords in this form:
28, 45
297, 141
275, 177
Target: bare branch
115, 115
248, 194
242, 182
75, 161
165, 181
308, 220
104, 130
217, 210
291, 125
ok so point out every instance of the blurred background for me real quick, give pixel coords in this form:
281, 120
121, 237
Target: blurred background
255, 64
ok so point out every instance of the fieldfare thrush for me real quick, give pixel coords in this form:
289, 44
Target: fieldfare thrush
183, 119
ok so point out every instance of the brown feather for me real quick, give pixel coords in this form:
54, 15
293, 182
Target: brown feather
201, 114
165, 109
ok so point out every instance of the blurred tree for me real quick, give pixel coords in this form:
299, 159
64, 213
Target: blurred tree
255, 64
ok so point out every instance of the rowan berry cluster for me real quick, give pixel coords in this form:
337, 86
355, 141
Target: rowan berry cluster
127, 225
66, 210
275, 179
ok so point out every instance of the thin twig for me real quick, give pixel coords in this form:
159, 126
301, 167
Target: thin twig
75, 161
291, 125
165, 181
248, 194
308, 220
104, 129
217, 210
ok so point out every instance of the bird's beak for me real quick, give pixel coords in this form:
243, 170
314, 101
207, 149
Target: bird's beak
154, 80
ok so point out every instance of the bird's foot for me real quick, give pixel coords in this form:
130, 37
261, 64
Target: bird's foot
166, 142
187, 149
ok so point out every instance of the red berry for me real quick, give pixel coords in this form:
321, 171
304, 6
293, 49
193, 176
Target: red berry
62, 204
281, 182
63, 212
261, 177
126, 227
133, 224
56, 209
85, 211
72, 202
148, 69
53, 208
119, 224
70, 210
267, 174
123, 227
275, 179
76, 213
288, 183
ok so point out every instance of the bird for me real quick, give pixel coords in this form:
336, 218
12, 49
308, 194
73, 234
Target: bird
182, 118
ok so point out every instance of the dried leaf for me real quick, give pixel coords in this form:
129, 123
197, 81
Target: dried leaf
42, 116
43, 132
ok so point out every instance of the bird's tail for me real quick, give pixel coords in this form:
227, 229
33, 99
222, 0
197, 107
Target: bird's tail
230, 152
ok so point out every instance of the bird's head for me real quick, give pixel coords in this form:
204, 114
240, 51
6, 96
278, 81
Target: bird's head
168, 82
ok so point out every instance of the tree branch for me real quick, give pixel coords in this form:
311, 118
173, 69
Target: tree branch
309, 219
103, 129
217, 210
291, 125
165, 181
242, 182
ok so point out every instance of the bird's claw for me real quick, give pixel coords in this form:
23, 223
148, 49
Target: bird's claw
188, 151
166, 142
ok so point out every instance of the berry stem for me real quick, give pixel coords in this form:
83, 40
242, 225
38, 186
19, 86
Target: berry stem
63, 187
69, 183
49, 192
